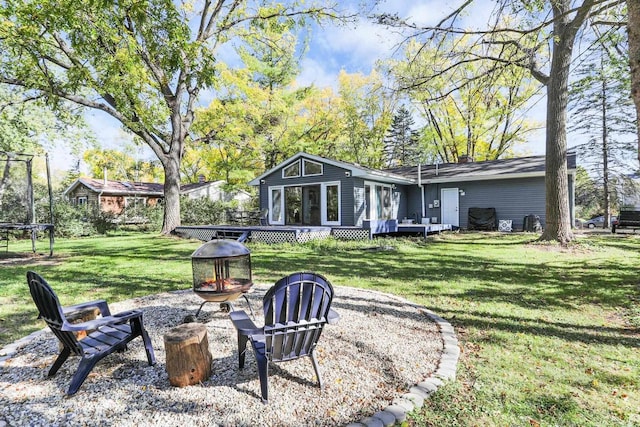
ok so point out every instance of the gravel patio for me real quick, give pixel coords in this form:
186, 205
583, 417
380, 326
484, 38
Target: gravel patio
382, 346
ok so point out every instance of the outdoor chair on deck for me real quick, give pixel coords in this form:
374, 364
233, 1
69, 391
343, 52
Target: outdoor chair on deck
264, 217
109, 332
296, 309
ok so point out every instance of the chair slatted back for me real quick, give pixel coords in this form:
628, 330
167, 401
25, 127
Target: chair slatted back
295, 309
50, 311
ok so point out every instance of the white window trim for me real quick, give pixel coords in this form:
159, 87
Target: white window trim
288, 166
304, 169
373, 202
282, 214
82, 201
324, 206
323, 201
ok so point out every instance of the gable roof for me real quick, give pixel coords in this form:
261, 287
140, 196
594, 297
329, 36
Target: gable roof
118, 187
521, 167
355, 170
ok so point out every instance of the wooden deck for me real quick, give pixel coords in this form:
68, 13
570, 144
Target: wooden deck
300, 234
255, 233
422, 229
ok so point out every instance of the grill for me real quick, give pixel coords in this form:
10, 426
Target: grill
221, 273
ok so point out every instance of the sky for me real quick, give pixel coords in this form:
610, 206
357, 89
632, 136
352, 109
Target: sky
353, 48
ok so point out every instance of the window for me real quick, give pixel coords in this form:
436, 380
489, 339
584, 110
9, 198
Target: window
379, 200
333, 203
291, 171
134, 206
383, 195
81, 201
134, 202
276, 203
310, 168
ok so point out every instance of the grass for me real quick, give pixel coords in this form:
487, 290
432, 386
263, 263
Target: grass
549, 335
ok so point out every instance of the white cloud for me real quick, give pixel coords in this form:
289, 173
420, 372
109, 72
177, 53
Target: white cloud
317, 74
355, 48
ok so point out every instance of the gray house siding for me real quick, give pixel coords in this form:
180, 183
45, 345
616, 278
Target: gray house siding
513, 199
413, 204
400, 195
330, 173
347, 201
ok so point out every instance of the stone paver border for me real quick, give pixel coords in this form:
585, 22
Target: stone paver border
397, 411
399, 408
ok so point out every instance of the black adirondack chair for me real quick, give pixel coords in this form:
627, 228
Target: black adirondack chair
296, 309
110, 332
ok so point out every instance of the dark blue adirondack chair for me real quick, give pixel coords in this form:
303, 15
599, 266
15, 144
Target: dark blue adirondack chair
110, 332
296, 309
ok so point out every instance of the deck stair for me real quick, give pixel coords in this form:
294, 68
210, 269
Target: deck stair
231, 234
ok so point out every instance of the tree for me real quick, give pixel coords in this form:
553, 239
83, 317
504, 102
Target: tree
602, 111
484, 119
587, 195
145, 63
249, 126
554, 25
28, 126
120, 166
633, 29
401, 142
365, 113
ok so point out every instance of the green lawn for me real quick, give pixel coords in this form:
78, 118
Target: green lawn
549, 336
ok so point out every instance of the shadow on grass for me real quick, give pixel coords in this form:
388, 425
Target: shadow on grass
478, 278
587, 334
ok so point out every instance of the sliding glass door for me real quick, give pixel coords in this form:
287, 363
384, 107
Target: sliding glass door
312, 205
302, 205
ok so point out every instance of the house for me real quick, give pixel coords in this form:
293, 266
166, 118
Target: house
311, 190
213, 190
119, 197
114, 196
315, 191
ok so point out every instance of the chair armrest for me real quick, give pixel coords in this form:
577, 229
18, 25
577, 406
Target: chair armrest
101, 304
333, 317
244, 324
116, 319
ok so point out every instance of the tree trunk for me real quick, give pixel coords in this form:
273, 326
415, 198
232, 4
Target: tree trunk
171, 164
5, 178
605, 151
633, 28
558, 218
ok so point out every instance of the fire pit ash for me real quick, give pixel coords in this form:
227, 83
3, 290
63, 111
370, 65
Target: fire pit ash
221, 272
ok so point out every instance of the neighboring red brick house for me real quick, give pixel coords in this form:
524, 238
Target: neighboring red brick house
114, 196
124, 197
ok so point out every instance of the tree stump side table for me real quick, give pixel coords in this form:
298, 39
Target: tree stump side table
188, 356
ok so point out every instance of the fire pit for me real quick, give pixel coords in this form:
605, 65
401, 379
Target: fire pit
221, 273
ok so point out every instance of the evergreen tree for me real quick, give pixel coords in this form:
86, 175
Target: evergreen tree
603, 112
401, 142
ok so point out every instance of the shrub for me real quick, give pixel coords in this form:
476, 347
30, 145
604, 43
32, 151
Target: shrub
69, 220
201, 211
